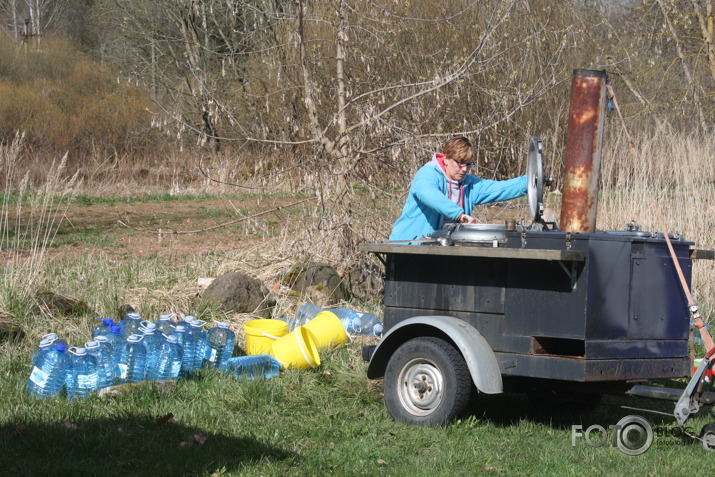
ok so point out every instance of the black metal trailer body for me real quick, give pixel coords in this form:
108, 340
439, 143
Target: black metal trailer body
590, 307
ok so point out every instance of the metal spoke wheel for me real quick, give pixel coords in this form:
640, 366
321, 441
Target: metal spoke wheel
707, 436
427, 382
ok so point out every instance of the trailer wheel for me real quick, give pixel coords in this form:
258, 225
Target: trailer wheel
707, 436
427, 382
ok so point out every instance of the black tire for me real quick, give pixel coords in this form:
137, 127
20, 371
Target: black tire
707, 437
427, 382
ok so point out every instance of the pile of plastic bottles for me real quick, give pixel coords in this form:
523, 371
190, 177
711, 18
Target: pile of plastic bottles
355, 323
136, 350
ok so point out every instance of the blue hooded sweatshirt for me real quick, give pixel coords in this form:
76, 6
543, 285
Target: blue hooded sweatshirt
428, 205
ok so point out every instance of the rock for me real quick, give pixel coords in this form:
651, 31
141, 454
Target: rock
318, 282
365, 282
9, 330
61, 304
240, 293
164, 387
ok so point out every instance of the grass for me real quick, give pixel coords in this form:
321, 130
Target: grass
328, 421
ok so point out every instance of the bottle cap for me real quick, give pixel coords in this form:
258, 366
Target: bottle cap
91, 344
117, 329
47, 342
61, 347
134, 338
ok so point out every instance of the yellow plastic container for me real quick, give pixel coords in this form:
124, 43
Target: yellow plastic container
296, 350
260, 335
327, 330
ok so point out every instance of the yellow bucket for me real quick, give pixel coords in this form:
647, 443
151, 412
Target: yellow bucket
296, 350
260, 335
327, 330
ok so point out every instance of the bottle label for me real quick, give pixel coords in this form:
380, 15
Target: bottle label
212, 357
175, 368
87, 381
123, 368
39, 377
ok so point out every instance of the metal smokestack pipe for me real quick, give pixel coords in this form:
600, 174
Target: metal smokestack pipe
584, 138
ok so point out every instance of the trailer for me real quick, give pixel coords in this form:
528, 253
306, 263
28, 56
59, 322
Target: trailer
569, 311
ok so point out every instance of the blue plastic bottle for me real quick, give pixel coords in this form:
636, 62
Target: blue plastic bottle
152, 342
252, 367
131, 366
46, 342
220, 344
102, 352
164, 325
103, 328
200, 343
130, 324
49, 370
56, 339
168, 363
82, 375
115, 337
186, 342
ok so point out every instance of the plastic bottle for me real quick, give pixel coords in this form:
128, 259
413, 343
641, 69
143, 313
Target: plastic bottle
46, 342
164, 325
349, 318
115, 337
200, 343
369, 324
130, 324
56, 339
49, 370
220, 344
252, 367
306, 312
152, 342
102, 352
103, 327
186, 342
82, 376
131, 366
168, 362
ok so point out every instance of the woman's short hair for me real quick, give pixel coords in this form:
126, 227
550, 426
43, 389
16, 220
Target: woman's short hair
459, 149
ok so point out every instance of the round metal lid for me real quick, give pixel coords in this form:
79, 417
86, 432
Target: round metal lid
478, 233
535, 179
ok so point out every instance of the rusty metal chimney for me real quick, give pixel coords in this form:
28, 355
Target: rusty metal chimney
584, 138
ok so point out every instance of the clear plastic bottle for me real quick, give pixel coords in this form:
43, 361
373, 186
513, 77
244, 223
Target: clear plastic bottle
187, 346
131, 366
152, 342
220, 344
49, 370
252, 367
103, 328
102, 352
56, 339
164, 325
369, 324
306, 312
349, 318
82, 375
200, 343
115, 337
130, 324
168, 362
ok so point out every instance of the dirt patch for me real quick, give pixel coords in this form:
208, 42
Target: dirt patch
170, 229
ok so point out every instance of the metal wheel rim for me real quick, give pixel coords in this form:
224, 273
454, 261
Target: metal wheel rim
709, 441
420, 388
535, 174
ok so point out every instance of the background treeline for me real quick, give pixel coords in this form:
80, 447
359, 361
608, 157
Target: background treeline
336, 92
